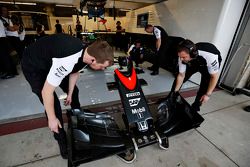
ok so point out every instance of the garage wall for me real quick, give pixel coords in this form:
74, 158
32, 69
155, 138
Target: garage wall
92, 25
64, 21
194, 19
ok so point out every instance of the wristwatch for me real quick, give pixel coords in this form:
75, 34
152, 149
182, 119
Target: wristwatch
208, 95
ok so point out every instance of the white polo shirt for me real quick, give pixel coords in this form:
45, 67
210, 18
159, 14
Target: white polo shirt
22, 35
10, 33
2, 29
61, 67
157, 33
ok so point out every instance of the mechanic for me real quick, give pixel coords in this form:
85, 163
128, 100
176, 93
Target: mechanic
201, 57
161, 38
136, 52
55, 61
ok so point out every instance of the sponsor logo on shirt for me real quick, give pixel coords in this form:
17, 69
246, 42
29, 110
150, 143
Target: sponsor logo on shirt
60, 71
157, 33
215, 66
214, 63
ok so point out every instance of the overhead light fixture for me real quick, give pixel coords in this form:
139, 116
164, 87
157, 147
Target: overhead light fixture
68, 6
22, 11
19, 3
125, 10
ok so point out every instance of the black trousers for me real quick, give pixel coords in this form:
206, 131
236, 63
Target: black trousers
136, 57
160, 54
79, 35
36, 80
16, 44
119, 41
191, 69
6, 62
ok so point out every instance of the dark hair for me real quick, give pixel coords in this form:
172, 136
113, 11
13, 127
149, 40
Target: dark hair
189, 47
137, 41
15, 19
101, 51
57, 21
2, 6
118, 22
148, 26
39, 28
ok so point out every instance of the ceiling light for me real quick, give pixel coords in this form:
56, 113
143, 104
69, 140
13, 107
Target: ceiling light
19, 3
125, 10
69, 6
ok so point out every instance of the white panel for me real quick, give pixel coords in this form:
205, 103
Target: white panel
227, 24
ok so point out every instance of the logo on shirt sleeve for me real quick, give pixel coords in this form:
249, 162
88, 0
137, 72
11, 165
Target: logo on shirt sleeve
215, 66
214, 63
60, 71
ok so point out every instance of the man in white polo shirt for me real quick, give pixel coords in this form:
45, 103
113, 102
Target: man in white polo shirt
161, 46
11, 30
54, 61
8, 68
203, 58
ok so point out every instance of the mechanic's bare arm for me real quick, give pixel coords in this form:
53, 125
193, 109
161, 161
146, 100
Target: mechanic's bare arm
128, 52
141, 56
13, 28
179, 81
72, 82
158, 44
212, 83
211, 86
48, 101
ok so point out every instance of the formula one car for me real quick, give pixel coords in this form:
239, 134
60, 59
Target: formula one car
93, 136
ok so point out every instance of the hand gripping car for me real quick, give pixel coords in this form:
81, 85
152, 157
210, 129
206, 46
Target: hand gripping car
92, 136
